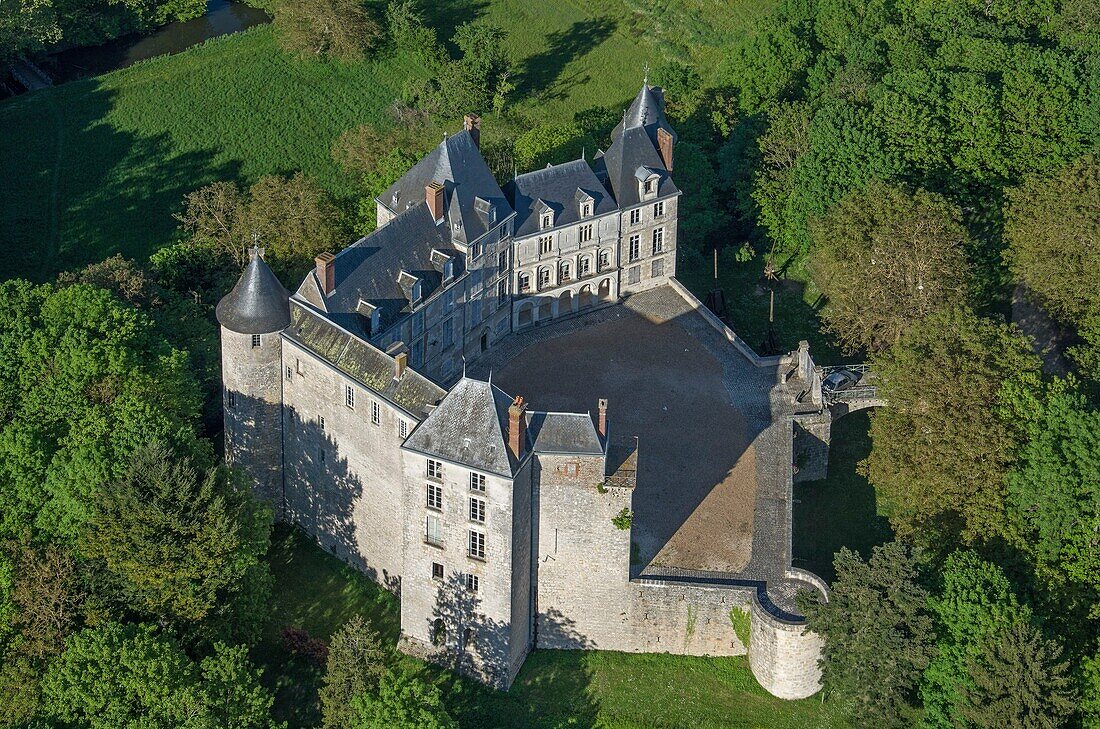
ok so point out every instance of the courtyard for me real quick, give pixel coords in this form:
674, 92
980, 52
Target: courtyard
698, 408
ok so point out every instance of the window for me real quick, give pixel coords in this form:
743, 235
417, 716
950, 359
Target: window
449, 300
417, 354
321, 422
255, 340
546, 244
635, 216
349, 396
467, 638
634, 275
435, 469
605, 259
586, 209
475, 251
635, 245
524, 282
439, 630
321, 455
477, 482
584, 266
502, 288
418, 324
658, 268
232, 398
502, 261
586, 233
477, 545
435, 496
477, 510
659, 209
472, 583
375, 414
564, 272
544, 278
298, 367
402, 429
437, 574
658, 241
650, 186
547, 220
503, 232
418, 291
448, 333
433, 531
289, 373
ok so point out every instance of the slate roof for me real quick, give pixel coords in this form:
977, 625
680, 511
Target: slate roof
381, 267
258, 303
633, 149
362, 362
646, 111
456, 162
559, 188
470, 427
572, 433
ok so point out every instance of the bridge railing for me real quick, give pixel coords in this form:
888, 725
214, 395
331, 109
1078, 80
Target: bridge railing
861, 391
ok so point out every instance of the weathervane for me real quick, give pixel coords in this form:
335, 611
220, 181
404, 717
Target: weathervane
645, 80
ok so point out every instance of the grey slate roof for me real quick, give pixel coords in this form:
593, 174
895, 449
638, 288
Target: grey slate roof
469, 427
573, 433
362, 362
456, 162
380, 267
556, 188
646, 111
629, 152
258, 303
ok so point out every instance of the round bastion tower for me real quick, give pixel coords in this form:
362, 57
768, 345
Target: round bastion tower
251, 316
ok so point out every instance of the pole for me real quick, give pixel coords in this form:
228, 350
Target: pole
715, 263
771, 307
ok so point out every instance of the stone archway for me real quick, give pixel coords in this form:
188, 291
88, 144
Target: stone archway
546, 309
604, 291
526, 314
565, 302
584, 299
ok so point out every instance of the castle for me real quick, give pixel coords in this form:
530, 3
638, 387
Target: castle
501, 527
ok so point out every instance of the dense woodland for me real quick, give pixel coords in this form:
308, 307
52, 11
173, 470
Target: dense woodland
919, 164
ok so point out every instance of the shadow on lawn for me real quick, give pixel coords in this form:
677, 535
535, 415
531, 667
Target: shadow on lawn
543, 70
77, 178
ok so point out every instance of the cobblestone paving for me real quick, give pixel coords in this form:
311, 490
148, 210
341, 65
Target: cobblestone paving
722, 517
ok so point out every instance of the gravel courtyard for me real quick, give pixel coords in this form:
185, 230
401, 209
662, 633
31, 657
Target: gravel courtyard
698, 480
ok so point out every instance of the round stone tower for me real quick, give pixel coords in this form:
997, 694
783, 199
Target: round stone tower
251, 317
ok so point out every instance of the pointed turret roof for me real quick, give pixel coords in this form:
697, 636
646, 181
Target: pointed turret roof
647, 111
258, 304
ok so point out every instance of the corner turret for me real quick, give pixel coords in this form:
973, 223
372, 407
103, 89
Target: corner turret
251, 316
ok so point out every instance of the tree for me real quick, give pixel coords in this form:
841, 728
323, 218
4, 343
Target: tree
1054, 489
47, 600
1052, 225
115, 676
339, 29
551, 143
992, 667
376, 181
181, 547
234, 697
942, 448
402, 702
84, 381
28, 26
886, 258
877, 633
356, 663
479, 79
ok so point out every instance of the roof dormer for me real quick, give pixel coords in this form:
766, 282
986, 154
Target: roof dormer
585, 203
649, 181
545, 213
370, 316
412, 285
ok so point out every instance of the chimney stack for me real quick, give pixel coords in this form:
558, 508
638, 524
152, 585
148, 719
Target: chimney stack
517, 427
472, 124
400, 362
601, 427
433, 195
326, 272
664, 145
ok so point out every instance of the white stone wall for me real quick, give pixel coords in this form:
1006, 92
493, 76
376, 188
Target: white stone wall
783, 656
343, 481
646, 258
251, 397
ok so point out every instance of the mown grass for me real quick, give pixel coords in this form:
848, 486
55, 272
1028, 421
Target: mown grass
840, 510
315, 591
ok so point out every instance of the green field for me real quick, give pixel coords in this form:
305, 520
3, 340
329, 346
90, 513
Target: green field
97, 167
316, 591
840, 510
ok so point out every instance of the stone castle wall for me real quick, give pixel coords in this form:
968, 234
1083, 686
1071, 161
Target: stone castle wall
783, 656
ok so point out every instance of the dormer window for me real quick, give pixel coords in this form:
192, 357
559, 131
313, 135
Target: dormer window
651, 186
547, 220
394, 199
371, 317
448, 269
586, 209
418, 291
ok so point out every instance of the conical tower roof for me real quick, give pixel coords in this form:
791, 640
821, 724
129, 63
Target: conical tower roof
647, 111
258, 304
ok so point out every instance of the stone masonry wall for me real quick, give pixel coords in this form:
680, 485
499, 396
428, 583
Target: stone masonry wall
251, 406
644, 229
812, 435
784, 656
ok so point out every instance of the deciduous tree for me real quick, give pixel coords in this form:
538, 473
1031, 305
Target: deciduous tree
403, 701
339, 29
356, 663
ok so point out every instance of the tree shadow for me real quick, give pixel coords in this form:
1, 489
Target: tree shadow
542, 71
445, 16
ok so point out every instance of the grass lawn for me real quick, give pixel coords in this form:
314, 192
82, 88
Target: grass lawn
316, 591
841, 510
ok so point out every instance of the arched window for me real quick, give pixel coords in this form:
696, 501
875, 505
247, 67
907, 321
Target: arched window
544, 277
564, 272
524, 282
439, 632
584, 266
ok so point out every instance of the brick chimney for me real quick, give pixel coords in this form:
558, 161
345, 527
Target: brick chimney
664, 146
433, 195
517, 427
400, 362
472, 124
326, 272
601, 426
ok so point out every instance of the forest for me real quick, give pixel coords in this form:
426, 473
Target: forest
918, 181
